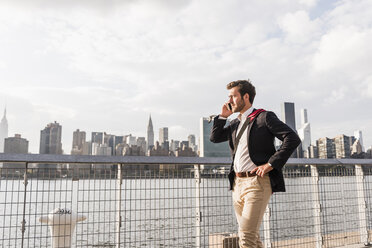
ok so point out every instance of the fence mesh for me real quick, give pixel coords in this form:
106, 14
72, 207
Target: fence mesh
178, 205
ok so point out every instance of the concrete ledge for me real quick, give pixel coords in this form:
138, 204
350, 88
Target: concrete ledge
223, 240
336, 240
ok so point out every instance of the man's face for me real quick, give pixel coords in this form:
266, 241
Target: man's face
237, 102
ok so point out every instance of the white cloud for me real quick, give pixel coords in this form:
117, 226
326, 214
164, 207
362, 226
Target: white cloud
345, 49
251, 34
2, 65
350, 13
178, 131
336, 95
309, 3
97, 66
298, 27
366, 88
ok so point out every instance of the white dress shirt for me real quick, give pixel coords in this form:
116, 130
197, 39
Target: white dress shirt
242, 160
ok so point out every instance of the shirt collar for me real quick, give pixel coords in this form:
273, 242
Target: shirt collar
245, 114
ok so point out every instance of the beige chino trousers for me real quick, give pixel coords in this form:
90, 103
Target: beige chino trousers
250, 198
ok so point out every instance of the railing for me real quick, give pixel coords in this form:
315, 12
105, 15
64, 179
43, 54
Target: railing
179, 202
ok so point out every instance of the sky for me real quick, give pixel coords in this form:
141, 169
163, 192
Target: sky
98, 65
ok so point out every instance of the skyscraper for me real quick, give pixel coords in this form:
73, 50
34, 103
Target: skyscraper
78, 140
16, 144
356, 148
163, 136
326, 148
119, 142
304, 132
342, 146
304, 118
50, 139
101, 150
184, 144
150, 135
109, 140
3, 131
358, 136
313, 152
87, 148
288, 114
141, 142
352, 140
192, 142
174, 144
131, 140
369, 152
207, 148
97, 137
191, 139
289, 118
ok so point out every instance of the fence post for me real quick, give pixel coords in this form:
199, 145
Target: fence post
118, 205
197, 207
266, 222
361, 204
316, 206
25, 182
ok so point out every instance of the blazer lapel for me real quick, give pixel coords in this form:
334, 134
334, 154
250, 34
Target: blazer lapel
249, 128
234, 128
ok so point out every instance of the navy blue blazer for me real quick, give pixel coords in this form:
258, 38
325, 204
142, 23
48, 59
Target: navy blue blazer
261, 134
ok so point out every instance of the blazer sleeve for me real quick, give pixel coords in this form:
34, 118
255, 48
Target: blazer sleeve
289, 138
219, 132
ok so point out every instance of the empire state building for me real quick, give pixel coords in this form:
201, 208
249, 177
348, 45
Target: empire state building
150, 135
3, 131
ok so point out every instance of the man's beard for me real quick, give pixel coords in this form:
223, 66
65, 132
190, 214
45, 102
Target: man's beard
239, 106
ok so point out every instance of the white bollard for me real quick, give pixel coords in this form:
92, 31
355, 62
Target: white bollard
62, 224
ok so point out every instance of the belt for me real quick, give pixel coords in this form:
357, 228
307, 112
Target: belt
245, 174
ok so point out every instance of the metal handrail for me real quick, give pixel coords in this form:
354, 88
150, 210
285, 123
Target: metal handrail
83, 159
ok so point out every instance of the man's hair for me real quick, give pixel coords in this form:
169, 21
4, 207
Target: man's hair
244, 86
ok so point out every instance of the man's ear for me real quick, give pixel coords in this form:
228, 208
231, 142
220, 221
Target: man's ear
246, 97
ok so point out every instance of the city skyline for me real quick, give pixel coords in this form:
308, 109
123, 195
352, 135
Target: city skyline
99, 66
99, 135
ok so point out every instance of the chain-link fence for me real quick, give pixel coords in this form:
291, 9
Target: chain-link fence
176, 202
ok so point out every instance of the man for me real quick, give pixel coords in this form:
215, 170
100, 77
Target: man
256, 170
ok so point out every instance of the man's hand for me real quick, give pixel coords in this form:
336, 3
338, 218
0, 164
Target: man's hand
225, 112
262, 169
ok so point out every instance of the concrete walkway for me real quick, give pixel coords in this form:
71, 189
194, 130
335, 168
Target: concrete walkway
355, 246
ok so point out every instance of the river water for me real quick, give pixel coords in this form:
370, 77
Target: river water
160, 212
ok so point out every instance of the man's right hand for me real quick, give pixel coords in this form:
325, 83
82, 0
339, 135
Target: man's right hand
225, 111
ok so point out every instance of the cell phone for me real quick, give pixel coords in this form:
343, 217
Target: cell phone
229, 107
